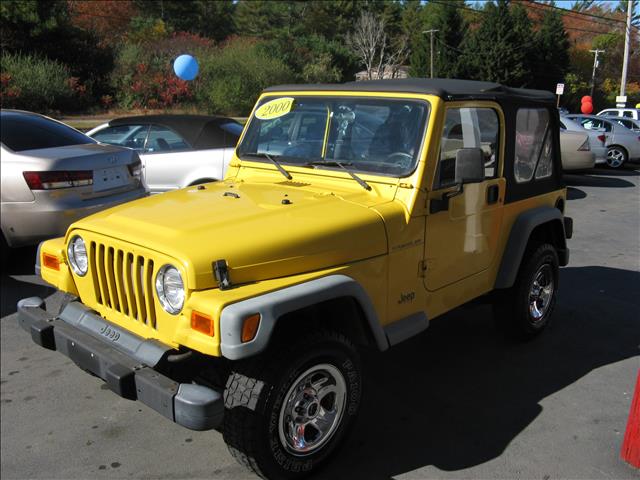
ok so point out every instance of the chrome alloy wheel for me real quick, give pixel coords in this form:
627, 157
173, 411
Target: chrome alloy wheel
615, 157
312, 409
541, 292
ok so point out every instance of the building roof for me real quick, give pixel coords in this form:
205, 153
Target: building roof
200, 131
445, 88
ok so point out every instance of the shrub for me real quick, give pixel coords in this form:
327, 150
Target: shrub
233, 76
143, 76
38, 84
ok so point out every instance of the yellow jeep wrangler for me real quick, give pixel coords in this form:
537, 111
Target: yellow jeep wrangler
350, 216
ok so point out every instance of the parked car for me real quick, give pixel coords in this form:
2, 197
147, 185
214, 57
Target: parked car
53, 175
622, 144
240, 305
576, 151
176, 150
596, 139
633, 125
621, 112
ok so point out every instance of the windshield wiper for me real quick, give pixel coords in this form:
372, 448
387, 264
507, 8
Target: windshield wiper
342, 165
274, 161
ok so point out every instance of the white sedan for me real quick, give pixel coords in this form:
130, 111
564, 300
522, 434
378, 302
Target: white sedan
176, 150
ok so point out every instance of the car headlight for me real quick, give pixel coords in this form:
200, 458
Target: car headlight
170, 289
77, 255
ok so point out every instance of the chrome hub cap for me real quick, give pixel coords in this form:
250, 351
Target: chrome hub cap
615, 158
541, 292
312, 409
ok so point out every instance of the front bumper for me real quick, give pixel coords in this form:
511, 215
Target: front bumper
123, 360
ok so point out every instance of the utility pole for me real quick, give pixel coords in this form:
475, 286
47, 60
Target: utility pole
595, 65
431, 56
627, 42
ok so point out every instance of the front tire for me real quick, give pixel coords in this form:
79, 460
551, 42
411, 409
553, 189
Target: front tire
524, 310
616, 156
288, 409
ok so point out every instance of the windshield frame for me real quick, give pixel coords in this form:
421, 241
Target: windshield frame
420, 141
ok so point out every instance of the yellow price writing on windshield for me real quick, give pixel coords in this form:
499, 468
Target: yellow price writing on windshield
275, 108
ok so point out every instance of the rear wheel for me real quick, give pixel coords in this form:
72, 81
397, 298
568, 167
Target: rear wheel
524, 310
285, 412
616, 156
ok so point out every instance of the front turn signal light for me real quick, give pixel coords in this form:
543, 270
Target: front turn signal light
202, 323
250, 327
50, 261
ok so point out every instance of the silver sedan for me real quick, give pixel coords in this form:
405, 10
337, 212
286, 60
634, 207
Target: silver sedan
596, 139
53, 175
176, 150
622, 144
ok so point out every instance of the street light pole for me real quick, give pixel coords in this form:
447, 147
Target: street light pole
595, 65
432, 31
627, 41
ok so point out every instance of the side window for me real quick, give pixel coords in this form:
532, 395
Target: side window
627, 114
132, 136
163, 139
534, 147
468, 128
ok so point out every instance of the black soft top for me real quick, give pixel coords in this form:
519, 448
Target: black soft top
200, 131
445, 88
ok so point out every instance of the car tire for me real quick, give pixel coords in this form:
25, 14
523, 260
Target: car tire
317, 380
524, 310
616, 156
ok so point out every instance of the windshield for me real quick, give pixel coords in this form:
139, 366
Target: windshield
373, 135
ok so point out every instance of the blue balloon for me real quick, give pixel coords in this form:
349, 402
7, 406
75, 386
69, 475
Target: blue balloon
186, 67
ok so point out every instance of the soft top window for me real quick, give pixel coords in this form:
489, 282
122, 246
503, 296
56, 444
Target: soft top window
33, 132
533, 152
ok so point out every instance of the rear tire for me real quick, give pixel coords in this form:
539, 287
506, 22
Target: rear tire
524, 310
617, 156
287, 410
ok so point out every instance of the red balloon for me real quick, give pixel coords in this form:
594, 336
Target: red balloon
586, 99
586, 108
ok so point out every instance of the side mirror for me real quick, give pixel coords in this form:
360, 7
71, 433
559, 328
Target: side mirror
469, 168
469, 165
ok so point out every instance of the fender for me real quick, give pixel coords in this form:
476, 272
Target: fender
273, 305
519, 237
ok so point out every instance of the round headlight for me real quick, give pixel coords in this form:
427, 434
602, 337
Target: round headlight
77, 254
170, 289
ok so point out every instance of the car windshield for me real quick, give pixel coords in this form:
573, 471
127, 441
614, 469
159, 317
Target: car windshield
372, 135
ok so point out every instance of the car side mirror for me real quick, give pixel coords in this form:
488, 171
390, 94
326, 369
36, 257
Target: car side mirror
469, 165
469, 168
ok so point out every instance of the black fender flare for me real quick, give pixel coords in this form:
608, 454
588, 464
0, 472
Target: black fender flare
519, 237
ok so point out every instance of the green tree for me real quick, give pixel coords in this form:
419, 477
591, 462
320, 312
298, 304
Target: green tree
233, 76
552, 51
210, 19
416, 19
522, 28
494, 52
451, 27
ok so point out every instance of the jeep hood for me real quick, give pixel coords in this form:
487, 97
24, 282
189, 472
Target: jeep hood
262, 231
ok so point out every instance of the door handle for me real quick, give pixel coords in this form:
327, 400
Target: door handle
493, 194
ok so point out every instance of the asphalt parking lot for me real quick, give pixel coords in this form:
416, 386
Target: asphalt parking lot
459, 401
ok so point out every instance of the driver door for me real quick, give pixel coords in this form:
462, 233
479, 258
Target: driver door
461, 239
